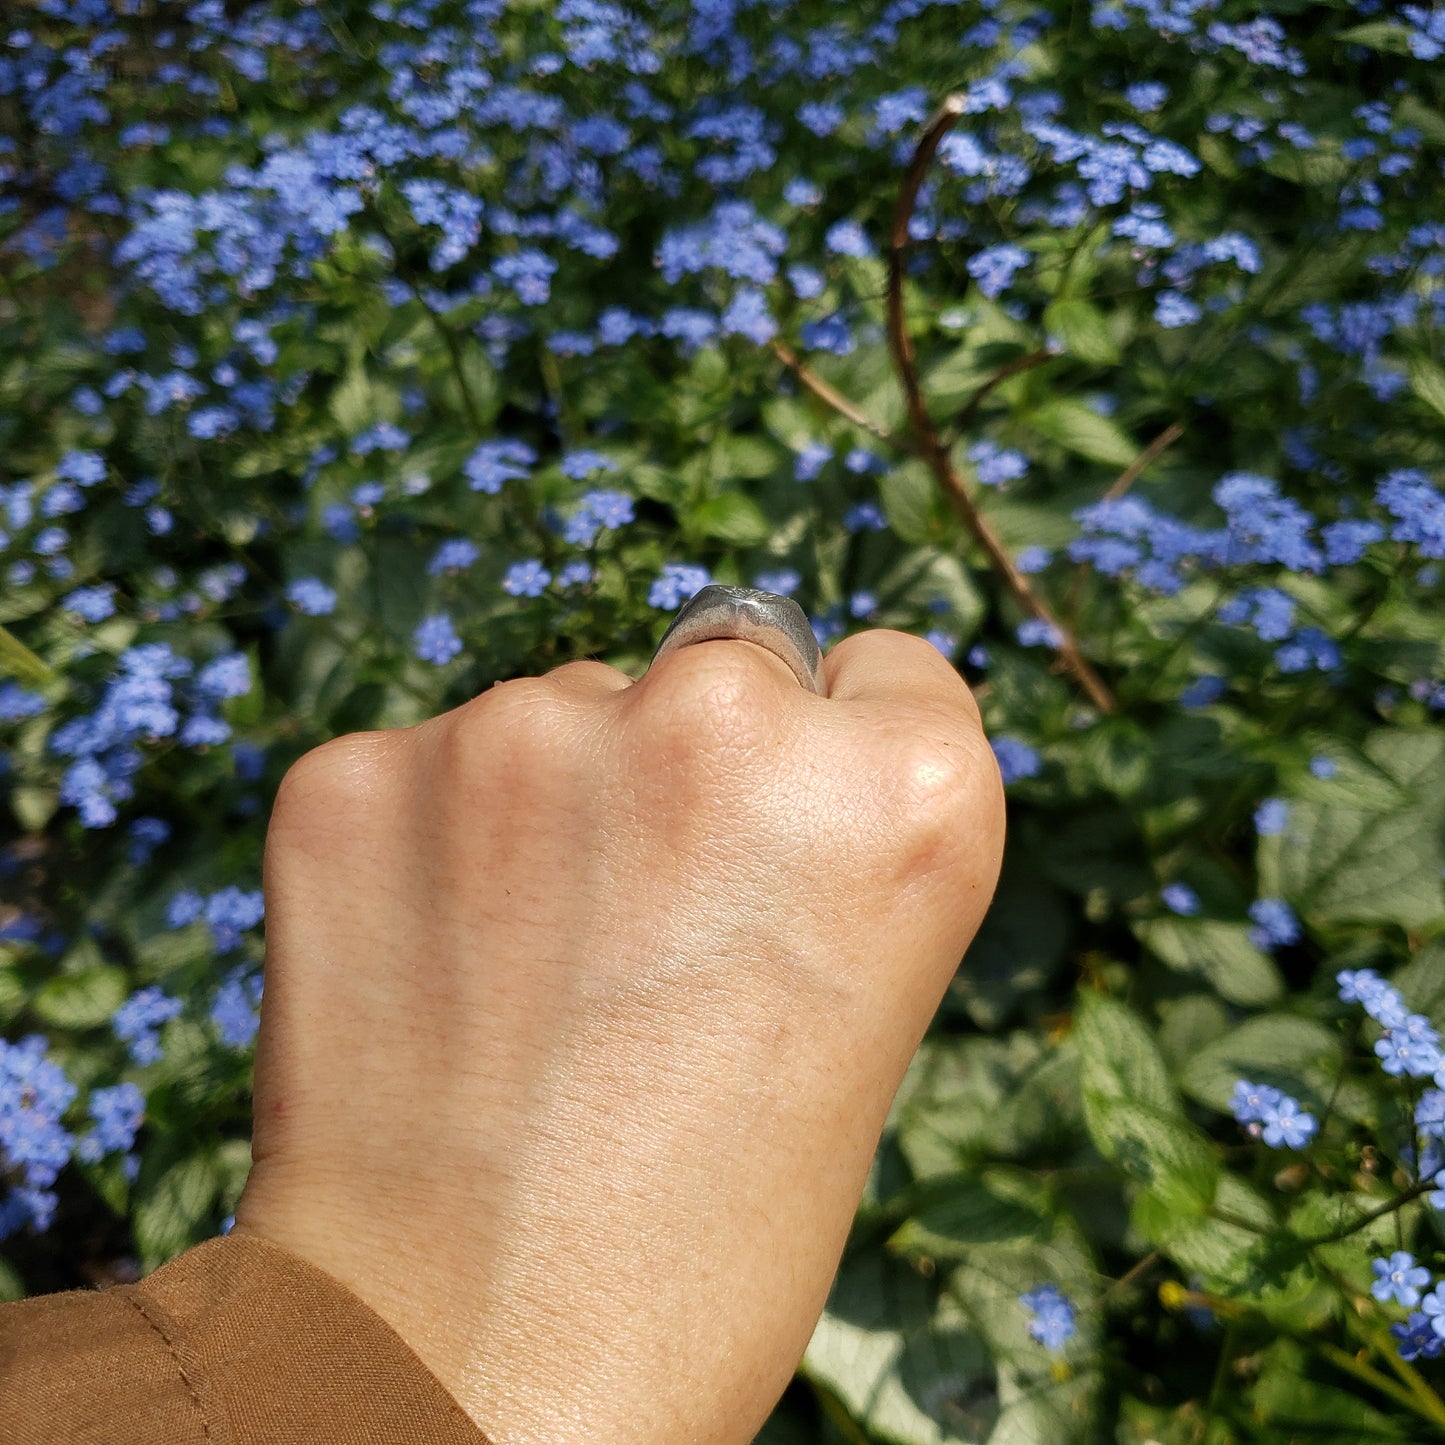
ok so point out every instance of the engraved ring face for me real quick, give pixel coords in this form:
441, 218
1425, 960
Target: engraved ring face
745, 614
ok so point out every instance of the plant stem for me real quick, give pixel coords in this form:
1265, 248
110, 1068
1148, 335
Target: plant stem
930, 445
18, 659
829, 394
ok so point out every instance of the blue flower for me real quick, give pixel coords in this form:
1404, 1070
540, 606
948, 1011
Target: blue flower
748, 315
847, 238
1016, 759
1430, 1114
1254, 1103
1271, 817
575, 574
1275, 923
811, 460
229, 912
677, 582
1180, 898
1035, 632
234, 1009
994, 465
1323, 768
311, 596
1411, 1048
1172, 309
1053, 1316
137, 1023
454, 555
17, 703
34, 1145
1288, 1125
583, 462
94, 604
494, 463
1433, 1305
784, 582
436, 640
1417, 1337
994, 267
1202, 692
1399, 1278
526, 579
117, 1114
225, 677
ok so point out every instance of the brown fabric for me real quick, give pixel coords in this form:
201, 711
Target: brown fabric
236, 1342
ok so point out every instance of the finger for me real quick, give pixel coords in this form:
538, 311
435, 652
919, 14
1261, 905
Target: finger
897, 671
749, 663
588, 678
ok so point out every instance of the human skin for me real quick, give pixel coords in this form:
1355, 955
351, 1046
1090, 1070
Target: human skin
585, 1004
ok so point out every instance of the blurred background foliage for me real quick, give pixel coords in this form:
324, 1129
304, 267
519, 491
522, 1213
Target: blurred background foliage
356, 356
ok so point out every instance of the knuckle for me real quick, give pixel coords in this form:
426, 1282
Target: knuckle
712, 698
505, 733
946, 797
342, 774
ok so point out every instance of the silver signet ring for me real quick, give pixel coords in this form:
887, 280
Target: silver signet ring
747, 615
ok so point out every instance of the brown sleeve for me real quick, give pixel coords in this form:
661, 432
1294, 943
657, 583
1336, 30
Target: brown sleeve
236, 1342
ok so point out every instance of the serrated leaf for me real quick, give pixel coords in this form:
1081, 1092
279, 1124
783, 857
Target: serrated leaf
1084, 331
1080, 429
1222, 1256
1299, 1055
1342, 865
168, 1217
81, 1000
1118, 1055
910, 501
1427, 381
1218, 952
978, 1210
730, 517
33, 806
12, 1287
908, 1371
1383, 35
1158, 1148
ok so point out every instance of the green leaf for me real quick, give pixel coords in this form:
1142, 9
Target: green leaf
12, 1287
979, 1210
1343, 865
81, 1000
730, 517
1299, 1055
1218, 952
909, 1371
1081, 429
1018, 949
168, 1216
1427, 381
1118, 1055
1157, 1147
910, 502
33, 806
1084, 331
1382, 35
1221, 1255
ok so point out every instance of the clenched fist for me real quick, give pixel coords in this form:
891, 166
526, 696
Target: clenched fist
585, 1004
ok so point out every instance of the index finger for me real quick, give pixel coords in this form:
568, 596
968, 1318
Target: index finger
899, 670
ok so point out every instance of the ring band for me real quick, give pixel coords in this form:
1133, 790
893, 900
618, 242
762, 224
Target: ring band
747, 615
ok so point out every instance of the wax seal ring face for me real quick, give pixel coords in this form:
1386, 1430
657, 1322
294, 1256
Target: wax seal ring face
745, 614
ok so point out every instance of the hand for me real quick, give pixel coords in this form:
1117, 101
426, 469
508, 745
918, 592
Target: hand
585, 1004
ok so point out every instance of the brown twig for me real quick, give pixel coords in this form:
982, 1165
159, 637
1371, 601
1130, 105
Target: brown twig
1137, 467
931, 446
1011, 368
834, 398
